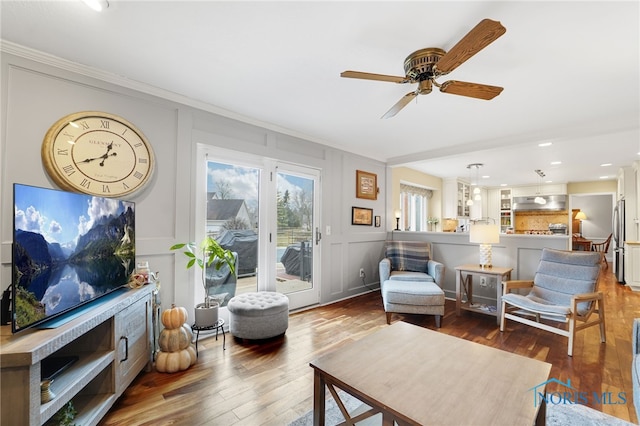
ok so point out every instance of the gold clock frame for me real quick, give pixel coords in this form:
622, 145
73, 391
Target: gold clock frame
72, 128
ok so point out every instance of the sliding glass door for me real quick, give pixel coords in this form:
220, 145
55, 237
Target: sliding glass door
267, 212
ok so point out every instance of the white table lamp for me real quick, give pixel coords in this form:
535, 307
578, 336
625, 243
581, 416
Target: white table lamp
485, 235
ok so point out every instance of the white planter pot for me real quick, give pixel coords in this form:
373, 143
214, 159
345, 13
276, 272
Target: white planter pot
206, 317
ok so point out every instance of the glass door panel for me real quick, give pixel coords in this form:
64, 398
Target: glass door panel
297, 235
232, 219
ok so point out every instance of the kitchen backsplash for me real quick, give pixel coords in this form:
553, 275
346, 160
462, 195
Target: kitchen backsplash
538, 220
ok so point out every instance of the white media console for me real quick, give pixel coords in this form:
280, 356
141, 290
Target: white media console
113, 343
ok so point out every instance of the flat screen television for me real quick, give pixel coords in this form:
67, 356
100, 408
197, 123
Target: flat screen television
69, 249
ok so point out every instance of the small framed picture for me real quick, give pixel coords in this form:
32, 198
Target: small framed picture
361, 216
366, 185
377, 221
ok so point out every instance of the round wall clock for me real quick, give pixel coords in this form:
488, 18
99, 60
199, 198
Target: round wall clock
97, 153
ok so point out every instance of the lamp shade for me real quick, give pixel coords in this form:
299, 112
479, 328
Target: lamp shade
581, 215
484, 234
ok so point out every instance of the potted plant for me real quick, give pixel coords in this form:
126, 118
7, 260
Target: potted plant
208, 253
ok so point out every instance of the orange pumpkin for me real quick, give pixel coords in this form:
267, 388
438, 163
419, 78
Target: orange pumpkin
174, 317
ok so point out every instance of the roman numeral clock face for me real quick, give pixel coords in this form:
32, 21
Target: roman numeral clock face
97, 153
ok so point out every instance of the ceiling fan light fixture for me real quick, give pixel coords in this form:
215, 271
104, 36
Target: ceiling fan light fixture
424, 66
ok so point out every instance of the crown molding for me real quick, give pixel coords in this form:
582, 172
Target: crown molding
87, 71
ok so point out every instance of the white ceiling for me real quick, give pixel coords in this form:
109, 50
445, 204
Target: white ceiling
570, 72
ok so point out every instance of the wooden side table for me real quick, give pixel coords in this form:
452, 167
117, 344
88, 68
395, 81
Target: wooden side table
464, 283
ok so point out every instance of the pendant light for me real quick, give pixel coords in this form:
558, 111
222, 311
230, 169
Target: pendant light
539, 199
476, 190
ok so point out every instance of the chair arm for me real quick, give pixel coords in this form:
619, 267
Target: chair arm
588, 297
513, 284
385, 269
436, 270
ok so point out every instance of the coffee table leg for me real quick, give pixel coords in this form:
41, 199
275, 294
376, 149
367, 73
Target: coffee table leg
318, 399
387, 419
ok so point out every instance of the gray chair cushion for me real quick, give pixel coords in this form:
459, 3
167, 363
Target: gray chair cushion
562, 274
412, 293
411, 276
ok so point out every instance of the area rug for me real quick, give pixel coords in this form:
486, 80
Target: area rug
333, 416
557, 415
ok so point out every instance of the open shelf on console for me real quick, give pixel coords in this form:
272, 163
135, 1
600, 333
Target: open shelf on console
72, 381
98, 377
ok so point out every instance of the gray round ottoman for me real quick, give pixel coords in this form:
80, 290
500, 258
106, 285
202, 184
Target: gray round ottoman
258, 315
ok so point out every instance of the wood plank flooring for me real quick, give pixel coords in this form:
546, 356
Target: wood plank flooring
271, 383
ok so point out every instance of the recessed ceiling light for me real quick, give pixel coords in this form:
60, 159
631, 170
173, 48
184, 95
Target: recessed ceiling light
555, 163
605, 164
97, 5
604, 177
485, 176
503, 184
548, 181
543, 144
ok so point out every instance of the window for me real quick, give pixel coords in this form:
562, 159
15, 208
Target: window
414, 207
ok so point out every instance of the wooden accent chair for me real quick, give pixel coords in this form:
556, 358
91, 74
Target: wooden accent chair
564, 289
603, 249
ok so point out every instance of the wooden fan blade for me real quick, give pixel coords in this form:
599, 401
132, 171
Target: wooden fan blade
370, 76
483, 34
472, 90
400, 104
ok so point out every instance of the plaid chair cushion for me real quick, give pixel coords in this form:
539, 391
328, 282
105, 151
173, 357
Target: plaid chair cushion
408, 255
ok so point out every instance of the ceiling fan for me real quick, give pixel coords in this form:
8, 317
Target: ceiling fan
425, 65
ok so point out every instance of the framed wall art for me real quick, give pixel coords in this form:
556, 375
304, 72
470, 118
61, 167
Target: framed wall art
366, 185
361, 216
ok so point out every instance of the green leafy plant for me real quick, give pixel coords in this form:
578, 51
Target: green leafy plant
64, 416
209, 252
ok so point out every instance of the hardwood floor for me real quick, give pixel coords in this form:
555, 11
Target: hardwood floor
271, 383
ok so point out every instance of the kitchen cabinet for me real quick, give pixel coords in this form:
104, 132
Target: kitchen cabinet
547, 189
632, 264
506, 214
627, 189
455, 193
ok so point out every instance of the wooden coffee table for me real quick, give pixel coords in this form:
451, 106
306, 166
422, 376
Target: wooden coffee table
416, 376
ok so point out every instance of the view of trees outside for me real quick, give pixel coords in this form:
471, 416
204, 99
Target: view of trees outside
294, 199
295, 209
231, 182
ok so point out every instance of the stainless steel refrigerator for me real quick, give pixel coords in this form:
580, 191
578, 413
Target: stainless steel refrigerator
618, 238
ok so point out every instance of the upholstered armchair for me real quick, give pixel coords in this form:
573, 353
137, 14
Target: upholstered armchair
410, 281
564, 289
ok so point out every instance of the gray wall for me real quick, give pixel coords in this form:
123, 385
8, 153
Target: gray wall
37, 90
